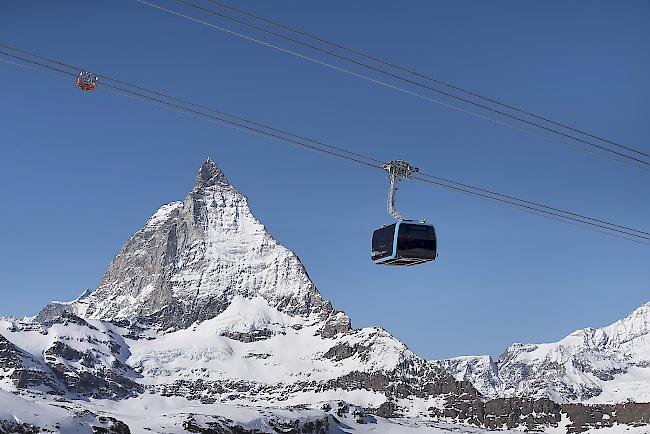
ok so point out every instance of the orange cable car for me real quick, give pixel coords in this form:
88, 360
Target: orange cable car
87, 81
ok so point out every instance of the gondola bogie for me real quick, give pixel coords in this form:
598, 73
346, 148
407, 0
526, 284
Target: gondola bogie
404, 243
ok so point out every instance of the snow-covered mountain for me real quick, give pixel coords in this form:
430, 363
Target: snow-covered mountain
204, 323
605, 365
193, 257
211, 307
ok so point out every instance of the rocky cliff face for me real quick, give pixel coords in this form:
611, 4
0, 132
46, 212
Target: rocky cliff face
481, 371
204, 323
606, 365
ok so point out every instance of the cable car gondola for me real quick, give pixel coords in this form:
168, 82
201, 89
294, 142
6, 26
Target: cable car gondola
406, 242
87, 81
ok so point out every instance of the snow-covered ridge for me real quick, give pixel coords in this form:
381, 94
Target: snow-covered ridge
162, 214
635, 325
604, 365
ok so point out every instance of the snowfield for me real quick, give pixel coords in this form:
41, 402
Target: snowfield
153, 413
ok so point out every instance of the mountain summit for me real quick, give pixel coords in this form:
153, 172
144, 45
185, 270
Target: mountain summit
192, 258
209, 175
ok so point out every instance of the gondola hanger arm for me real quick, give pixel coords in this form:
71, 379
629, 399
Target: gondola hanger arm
397, 169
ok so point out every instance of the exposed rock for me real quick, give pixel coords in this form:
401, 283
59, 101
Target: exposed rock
337, 322
254, 336
388, 410
111, 425
65, 317
340, 351
13, 427
585, 417
65, 352
25, 371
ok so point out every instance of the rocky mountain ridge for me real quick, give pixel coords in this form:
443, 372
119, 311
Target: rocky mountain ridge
606, 365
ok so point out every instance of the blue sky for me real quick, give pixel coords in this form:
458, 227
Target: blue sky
80, 173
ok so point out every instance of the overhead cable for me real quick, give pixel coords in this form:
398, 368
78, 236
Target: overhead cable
422, 76
181, 105
546, 131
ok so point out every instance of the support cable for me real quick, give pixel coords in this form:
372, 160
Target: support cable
423, 76
546, 129
261, 129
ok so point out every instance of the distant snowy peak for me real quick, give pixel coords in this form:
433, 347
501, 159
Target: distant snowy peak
635, 325
481, 371
609, 364
192, 257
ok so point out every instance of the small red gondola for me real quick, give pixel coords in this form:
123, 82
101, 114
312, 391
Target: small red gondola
87, 81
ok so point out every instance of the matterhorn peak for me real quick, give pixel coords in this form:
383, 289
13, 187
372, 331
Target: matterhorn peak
210, 174
193, 257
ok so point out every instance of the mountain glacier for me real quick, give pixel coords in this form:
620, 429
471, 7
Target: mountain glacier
204, 323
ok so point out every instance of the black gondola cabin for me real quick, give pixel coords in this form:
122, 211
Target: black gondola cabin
404, 243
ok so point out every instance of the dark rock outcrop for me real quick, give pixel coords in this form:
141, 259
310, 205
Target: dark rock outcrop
25, 371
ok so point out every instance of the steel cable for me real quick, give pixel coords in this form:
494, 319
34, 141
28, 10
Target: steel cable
533, 207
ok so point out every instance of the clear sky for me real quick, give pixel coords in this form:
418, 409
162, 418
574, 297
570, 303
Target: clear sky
79, 173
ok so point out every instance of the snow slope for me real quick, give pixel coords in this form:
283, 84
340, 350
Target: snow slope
151, 413
156, 414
